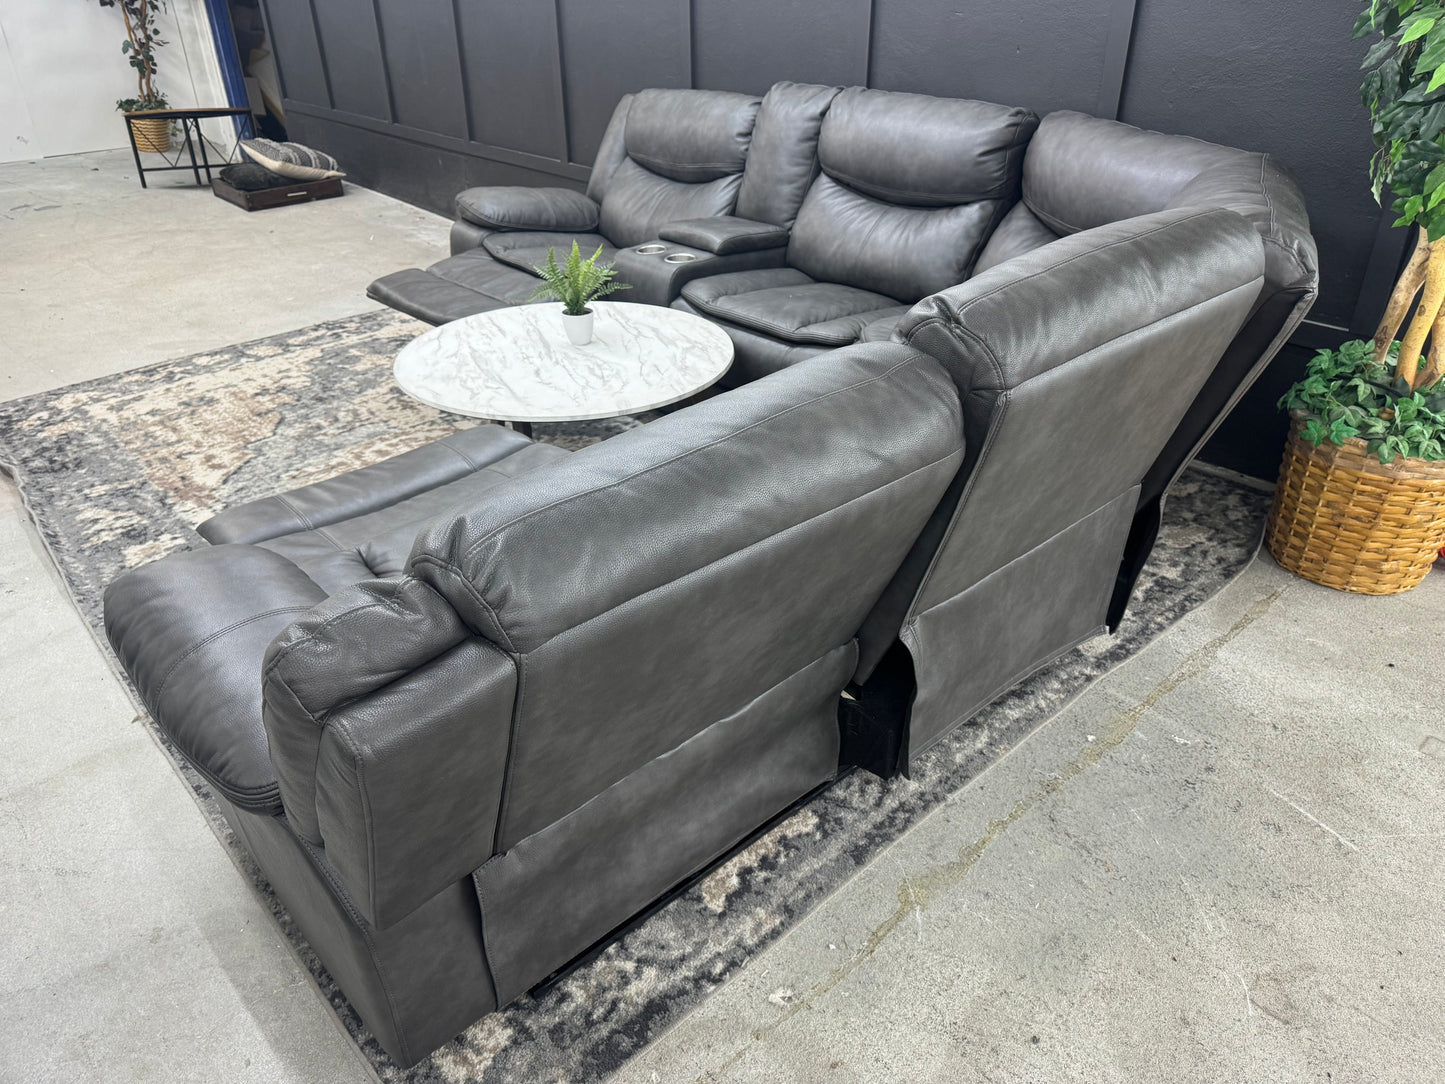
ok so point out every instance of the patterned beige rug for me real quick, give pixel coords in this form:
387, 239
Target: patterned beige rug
118, 471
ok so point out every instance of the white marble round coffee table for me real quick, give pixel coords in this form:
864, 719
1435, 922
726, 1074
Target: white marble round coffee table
516, 365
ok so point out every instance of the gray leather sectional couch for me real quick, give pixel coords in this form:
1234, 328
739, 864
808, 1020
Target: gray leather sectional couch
473, 707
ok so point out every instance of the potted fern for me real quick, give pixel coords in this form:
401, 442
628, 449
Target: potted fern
1361, 499
575, 284
142, 40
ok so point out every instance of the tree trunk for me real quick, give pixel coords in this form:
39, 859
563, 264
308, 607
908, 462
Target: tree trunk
1406, 287
1425, 314
1436, 357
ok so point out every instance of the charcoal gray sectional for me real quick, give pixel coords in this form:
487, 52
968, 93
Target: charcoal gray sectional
473, 707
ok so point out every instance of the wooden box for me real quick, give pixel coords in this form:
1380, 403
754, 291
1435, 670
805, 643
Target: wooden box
300, 192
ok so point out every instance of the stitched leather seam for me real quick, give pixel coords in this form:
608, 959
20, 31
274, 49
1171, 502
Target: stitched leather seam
460, 455
465, 583
945, 202
301, 516
693, 451
160, 689
367, 819
363, 927
782, 331
263, 796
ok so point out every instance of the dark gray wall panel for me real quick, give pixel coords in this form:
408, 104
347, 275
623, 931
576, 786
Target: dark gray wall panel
419, 37
423, 175
514, 83
748, 45
352, 45
1039, 53
513, 91
298, 54
613, 47
1281, 77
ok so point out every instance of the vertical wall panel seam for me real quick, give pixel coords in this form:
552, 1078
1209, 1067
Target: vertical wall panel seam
1387, 254
462, 71
275, 52
320, 54
868, 43
385, 67
1116, 57
564, 151
690, 14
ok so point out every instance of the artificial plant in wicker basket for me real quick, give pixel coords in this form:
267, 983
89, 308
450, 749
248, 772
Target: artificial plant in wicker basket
1361, 498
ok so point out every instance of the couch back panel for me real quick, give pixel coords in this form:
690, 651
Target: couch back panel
653, 584
1076, 363
1081, 172
911, 188
669, 155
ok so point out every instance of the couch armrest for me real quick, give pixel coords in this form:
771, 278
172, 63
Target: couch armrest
657, 277
190, 630
725, 234
511, 207
368, 489
388, 724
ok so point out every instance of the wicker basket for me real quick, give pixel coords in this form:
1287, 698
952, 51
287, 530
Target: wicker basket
152, 134
1344, 519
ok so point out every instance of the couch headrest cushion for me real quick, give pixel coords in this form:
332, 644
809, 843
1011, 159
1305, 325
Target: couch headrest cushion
921, 151
1082, 171
1040, 310
690, 135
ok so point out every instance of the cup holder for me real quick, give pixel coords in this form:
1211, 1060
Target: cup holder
651, 250
679, 257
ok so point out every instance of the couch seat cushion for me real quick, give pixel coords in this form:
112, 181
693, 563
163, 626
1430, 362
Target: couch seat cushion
528, 249
790, 305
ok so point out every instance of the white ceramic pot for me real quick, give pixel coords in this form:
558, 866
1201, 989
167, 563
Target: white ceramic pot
578, 328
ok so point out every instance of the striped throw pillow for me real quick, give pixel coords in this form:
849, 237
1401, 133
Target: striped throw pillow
291, 159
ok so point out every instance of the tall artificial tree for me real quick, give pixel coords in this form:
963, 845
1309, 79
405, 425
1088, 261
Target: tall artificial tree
142, 40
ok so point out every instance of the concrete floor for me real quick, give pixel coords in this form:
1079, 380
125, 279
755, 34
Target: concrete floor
1220, 863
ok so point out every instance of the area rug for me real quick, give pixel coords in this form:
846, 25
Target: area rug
118, 471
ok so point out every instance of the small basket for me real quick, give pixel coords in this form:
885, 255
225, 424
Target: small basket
1344, 519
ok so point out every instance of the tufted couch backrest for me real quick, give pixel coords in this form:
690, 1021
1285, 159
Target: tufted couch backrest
910, 189
669, 155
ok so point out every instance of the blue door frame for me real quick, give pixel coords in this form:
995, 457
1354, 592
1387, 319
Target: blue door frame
232, 77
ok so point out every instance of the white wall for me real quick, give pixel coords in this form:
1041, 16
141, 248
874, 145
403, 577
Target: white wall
61, 71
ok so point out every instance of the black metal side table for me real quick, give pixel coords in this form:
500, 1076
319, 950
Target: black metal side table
190, 121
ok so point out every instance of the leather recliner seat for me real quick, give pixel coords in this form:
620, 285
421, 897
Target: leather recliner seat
473, 707
667, 155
